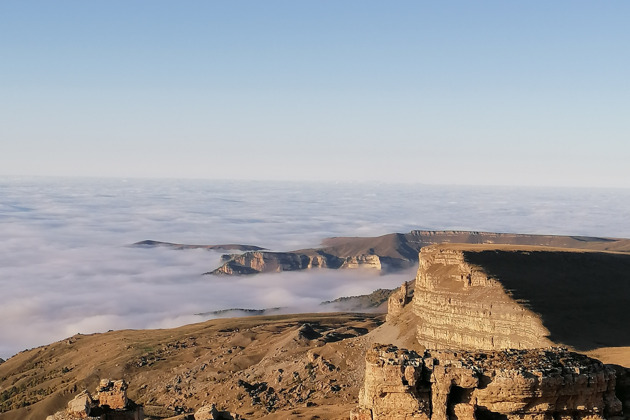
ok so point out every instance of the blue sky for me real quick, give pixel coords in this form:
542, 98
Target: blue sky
455, 92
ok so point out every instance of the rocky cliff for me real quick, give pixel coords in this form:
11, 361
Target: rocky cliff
537, 384
491, 297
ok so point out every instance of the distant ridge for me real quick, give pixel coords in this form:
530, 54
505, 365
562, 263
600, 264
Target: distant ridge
394, 251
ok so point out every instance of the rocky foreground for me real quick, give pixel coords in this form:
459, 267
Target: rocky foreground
478, 328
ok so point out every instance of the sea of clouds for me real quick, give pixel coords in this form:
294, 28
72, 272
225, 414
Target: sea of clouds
66, 266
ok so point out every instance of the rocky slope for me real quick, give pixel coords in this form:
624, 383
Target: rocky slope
393, 251
257, 367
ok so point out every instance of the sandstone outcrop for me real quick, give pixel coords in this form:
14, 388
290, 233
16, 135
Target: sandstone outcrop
269, 262
538, 384
460, 306
494, 297
110, 403
362, 261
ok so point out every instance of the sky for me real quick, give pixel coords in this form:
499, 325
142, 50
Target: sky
451, 92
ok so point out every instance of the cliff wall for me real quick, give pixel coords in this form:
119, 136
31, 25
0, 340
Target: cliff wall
459, 305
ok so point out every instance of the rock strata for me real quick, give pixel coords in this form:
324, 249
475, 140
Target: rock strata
264, 262
460, 306
539, 384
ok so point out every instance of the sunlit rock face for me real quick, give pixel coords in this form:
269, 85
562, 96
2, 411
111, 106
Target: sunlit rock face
538, 384
460, 306
272, 262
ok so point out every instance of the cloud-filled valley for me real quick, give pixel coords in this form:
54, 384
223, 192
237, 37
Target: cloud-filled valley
66, 267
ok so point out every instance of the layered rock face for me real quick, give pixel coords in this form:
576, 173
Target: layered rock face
461, 306
498, 296
541, 384
392, 252
270, 262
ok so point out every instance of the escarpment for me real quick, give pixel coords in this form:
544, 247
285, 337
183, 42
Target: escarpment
393, 251
540, 384
254, 262
459, 305
493, 297
109, 403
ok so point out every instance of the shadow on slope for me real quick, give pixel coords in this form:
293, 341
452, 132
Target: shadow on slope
582, 297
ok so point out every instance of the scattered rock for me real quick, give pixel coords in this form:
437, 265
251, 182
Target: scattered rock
111, 403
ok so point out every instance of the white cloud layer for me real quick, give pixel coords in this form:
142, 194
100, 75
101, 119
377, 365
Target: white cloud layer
65, 267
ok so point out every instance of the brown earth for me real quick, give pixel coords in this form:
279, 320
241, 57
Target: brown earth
259, 367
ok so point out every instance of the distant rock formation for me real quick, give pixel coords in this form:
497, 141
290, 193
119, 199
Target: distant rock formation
391, 252
110, 403
265, 262
223, 247
536, 384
